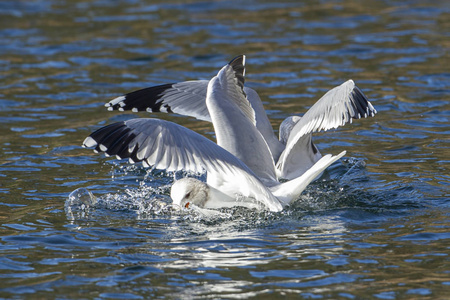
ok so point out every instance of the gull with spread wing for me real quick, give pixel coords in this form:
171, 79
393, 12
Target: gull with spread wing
294, 152
240, 168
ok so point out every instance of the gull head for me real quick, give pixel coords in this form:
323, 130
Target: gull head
187, 191
286, 127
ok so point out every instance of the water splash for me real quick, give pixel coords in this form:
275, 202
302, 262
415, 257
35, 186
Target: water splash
79, 204
341, 187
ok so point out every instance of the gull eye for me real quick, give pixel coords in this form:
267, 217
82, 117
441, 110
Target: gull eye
188, 195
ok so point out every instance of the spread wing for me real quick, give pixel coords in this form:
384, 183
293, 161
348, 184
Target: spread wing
189, 98
336, 108
166, 145
184, 98
234, 122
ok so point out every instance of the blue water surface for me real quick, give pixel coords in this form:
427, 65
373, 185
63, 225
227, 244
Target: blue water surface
375, 227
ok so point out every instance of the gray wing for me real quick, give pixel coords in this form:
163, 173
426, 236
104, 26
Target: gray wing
162, 144
188, 98
336, 108
234, 123
166, 145
263, 124
184, 98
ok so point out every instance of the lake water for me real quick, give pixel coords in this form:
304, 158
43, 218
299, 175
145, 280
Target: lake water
377, 228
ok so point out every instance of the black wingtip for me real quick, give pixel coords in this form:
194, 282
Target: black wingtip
362, 104
147, 99
238, 65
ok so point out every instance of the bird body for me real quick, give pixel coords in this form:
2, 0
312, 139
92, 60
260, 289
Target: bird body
295, 151
241, 168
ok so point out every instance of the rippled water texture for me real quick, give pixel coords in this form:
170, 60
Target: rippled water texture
377, 227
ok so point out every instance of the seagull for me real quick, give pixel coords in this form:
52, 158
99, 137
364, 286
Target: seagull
294, 151
230, 181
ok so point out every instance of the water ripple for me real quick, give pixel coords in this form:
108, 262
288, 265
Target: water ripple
376, 226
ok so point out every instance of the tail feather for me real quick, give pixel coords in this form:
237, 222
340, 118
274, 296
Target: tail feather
291, 190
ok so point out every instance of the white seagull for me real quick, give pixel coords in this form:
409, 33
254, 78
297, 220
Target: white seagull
230, 180
294, 152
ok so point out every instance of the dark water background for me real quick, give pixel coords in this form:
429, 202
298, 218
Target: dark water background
378, 230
